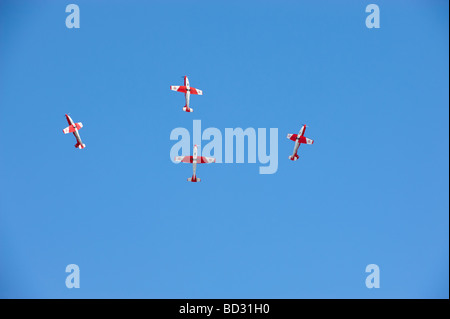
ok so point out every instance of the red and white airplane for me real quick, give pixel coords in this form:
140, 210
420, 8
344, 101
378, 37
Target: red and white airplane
298, 139
73, 128
187, 90
194, 160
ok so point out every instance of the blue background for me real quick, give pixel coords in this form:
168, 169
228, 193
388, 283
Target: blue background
372, 189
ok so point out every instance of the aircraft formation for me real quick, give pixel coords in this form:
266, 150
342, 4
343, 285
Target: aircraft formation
194, 159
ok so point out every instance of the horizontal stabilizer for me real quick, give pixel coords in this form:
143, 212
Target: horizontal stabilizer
190, 179
188, 109
80, 146
294, 158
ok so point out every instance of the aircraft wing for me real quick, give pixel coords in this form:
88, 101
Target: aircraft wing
71, 129
196, 91
68, 129
184, 159
204, 159
292, 137
305, 140
178, 88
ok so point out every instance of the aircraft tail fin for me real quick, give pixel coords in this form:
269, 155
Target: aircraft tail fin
294, 158
80, 146
194, 179
187, 109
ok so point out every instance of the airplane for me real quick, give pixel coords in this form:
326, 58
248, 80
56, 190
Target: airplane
187, 90
194, 160
298, 139
74, 128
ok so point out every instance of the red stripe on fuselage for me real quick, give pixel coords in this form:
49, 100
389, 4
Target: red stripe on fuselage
304, 129
68, 119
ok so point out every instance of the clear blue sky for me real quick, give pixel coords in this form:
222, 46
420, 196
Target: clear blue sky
372, 189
